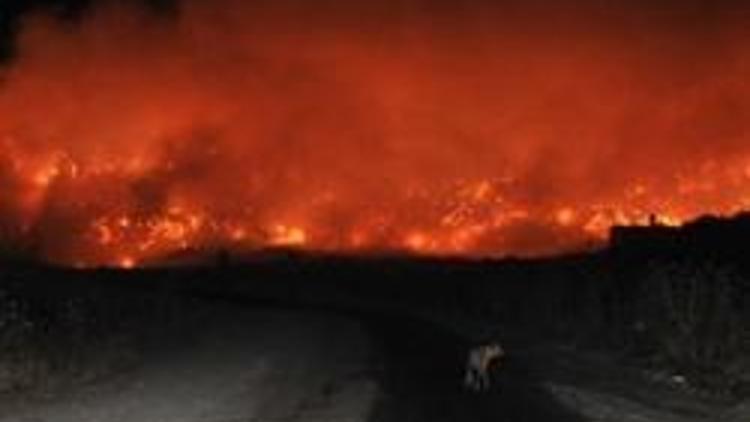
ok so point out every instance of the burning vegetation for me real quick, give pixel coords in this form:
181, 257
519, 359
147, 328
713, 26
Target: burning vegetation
128, 135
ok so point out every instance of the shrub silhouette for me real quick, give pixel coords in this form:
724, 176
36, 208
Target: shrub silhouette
690, 311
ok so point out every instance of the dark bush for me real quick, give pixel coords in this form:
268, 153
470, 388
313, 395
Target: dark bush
690, 318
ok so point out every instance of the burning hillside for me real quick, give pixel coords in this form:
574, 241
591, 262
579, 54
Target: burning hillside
489, 130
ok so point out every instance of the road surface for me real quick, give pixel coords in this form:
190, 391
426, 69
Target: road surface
246, 365
240, 366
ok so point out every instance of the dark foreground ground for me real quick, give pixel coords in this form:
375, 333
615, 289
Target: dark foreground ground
423, 381
264, 364
234, 359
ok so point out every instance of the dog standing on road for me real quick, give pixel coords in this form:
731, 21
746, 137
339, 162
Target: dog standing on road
480, 362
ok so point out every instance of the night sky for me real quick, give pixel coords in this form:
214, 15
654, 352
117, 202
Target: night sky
12, 10
695, 14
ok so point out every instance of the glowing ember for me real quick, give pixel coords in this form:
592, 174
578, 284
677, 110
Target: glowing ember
565, 216
282, 235
417, 242
127, 137
127, 263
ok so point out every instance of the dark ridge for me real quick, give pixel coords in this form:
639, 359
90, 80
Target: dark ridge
708, 236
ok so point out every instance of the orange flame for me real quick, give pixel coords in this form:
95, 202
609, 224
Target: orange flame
127, 137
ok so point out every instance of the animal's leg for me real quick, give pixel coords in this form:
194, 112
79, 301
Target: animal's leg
469, 381
472, 379
478, 383
477, 380
484, 382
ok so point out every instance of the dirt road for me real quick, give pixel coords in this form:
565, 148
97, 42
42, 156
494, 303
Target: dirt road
243, 366
247, 365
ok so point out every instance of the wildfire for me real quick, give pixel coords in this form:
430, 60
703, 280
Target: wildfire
126, 137
127, 263
565, 216
472, 219
418, 242
283, 235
